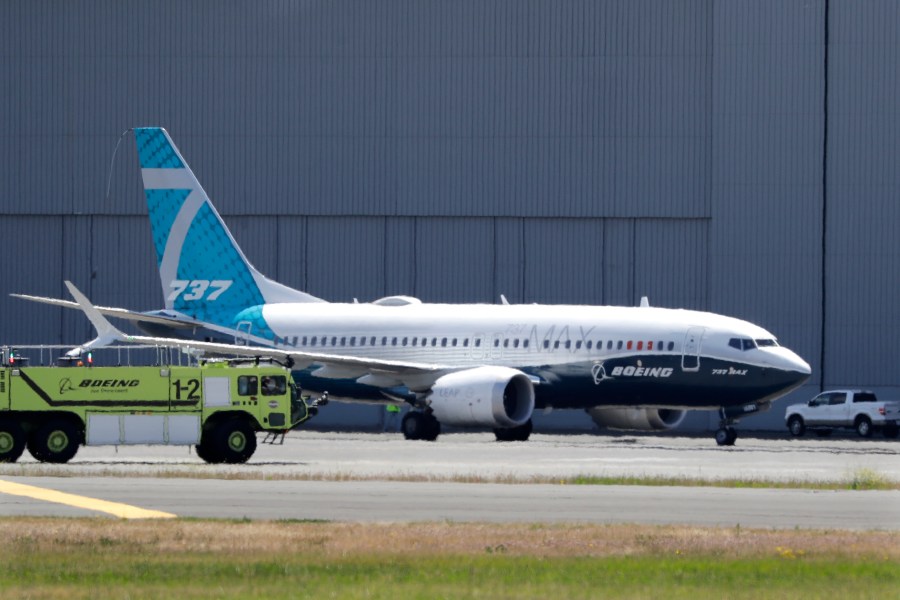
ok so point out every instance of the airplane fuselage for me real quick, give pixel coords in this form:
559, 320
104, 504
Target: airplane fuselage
579, 356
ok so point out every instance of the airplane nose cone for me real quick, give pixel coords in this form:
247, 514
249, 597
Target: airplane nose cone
790, 361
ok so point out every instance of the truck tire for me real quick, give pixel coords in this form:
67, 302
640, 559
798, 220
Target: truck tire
234, 441
863, 426
206, 452
12, 441
55, 441
796, 426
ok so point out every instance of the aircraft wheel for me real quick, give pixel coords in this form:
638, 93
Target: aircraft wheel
12, 441
234, 442
796, 426
864, 427
417, 425
56, 441
515, 434
726, 436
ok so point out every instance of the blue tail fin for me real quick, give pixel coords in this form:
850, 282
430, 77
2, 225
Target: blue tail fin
203, 272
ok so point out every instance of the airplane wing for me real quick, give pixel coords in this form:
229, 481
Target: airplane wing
118, 313
378, 372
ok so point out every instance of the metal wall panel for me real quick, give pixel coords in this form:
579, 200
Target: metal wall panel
336, 108
561, 261
455, 260
360, 244
768, 85
670, 262
862, 256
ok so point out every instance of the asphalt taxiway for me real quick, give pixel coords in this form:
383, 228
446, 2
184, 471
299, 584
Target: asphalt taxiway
340, 476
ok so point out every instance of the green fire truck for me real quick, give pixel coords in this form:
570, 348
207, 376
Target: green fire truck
217, 405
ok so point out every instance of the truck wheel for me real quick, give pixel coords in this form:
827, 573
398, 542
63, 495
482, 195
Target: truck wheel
863, 427
235, 442
796, 426
56, 441
12, 441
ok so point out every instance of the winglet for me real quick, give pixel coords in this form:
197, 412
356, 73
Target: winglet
106, 331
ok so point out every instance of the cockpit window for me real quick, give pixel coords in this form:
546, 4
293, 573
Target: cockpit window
742, 343
766, 343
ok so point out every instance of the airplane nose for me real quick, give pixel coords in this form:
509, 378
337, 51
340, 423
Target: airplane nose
790, 361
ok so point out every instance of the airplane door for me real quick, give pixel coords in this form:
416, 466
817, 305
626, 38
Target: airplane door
690, 353
242, 337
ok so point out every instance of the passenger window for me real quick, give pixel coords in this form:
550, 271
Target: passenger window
384, 341
546, 344
362, 341
516, 343
506, 343
619, 345
343, 341
837, 399
640, 345
273, 385
353, 341
589, 345
556, 345
443, 342
629, 345
466, 343
497, 343
334, 340
304, 340
568, 344
405, 341
609, 345
247, 385
578, 345
478, 342
864, 397
525, 343
671, 346
453, 343
372, 340
394, 342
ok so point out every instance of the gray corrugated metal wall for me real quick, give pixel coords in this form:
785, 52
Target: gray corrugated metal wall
568, 151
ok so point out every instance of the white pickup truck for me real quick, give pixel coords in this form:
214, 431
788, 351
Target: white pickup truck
853, 409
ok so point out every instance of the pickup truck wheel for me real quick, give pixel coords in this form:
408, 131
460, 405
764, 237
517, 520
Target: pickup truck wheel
12, 441
235, 442
863, 427
796, 426
56, 441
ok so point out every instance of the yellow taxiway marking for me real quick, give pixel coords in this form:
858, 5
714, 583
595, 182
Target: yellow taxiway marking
125, 511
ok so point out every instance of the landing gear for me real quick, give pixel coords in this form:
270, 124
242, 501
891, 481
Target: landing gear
418, 425
514, 434
725, 434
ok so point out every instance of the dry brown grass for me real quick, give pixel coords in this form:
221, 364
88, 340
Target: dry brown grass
347, 540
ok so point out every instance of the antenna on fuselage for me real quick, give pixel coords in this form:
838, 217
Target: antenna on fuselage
645, 302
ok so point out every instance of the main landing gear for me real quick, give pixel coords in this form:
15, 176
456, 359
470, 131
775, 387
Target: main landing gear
420, 425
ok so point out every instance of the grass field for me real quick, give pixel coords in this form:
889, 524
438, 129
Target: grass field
104, 558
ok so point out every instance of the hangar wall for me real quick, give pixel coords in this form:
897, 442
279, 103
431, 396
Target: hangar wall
719, 155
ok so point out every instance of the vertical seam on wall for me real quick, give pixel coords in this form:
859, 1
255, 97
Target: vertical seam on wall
824, 201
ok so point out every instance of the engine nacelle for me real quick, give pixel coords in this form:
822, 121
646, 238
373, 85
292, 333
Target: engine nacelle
483, 397
640, 419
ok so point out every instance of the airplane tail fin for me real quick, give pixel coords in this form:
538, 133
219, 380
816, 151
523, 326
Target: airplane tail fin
204, 274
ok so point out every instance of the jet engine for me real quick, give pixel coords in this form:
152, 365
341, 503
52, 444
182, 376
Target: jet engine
483, 397
640, 419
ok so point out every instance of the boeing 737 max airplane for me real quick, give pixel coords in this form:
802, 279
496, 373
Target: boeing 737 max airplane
473, 365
